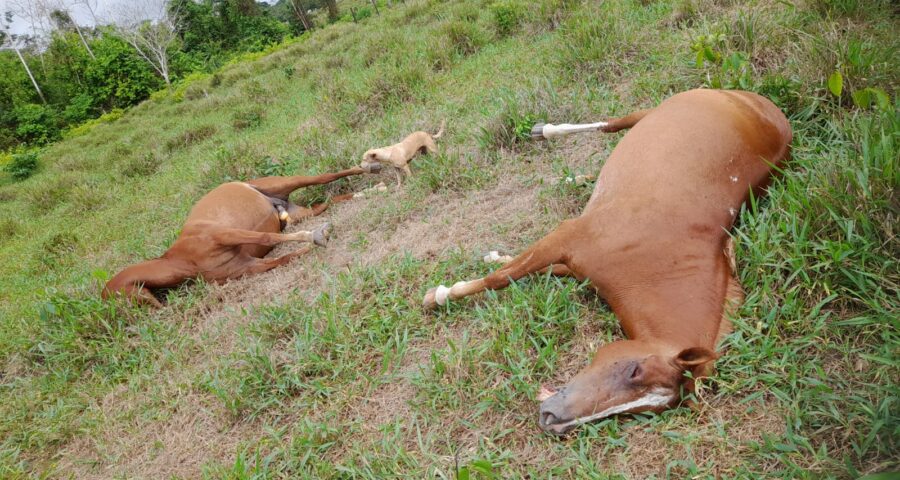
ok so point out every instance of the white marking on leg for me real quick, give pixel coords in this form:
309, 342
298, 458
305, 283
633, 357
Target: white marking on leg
492, 256
381, 187
459, 284
441, 294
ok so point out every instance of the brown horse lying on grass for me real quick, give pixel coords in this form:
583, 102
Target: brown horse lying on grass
227, 234
653, 241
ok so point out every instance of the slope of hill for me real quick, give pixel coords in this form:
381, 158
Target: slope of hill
328, 367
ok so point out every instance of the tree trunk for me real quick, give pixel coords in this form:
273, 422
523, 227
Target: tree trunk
164, 68
88, 47
301, 14
33, 81
332, 10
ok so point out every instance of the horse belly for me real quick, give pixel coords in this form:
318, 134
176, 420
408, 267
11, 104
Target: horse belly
236, 205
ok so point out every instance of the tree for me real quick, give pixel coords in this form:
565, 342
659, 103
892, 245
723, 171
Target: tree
332, 10
119, 77
150, 28
301, 14
11, 41
36, 13
64, 21
91, 6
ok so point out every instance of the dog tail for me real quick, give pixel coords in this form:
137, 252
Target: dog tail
441, 130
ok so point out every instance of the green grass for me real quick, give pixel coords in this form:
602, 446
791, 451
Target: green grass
343, 374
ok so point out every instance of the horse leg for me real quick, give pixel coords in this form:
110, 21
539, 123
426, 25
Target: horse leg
547, 252
231, 237
557, 269
134, 283
281, 187
627, 121
297, 213
260, 265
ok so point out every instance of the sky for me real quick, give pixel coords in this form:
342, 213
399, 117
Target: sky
103, 9
79, 12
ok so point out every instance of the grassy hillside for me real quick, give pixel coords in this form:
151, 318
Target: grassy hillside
328, 367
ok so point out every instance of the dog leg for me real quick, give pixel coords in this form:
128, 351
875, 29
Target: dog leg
430, 146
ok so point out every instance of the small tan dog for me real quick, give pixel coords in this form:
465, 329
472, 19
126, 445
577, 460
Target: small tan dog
399, 154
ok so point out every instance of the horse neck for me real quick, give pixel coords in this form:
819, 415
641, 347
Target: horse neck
682, 312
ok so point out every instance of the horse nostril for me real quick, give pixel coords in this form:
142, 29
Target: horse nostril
548, 418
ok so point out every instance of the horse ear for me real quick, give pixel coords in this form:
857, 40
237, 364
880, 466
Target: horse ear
693, 357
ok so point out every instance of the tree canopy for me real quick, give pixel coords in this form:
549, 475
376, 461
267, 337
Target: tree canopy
67, 73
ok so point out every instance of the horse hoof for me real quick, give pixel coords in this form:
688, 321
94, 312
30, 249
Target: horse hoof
372, 168
429, 303
320, 235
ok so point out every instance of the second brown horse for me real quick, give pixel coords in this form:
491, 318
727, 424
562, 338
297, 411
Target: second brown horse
227, 234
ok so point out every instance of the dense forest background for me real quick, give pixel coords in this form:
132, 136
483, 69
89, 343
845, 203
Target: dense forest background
81, 72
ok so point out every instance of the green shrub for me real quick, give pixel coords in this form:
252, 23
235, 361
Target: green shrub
8, 229
50, 193
190, 87
22, 165
58, 246
247, 119
190, 136
119, 77
466, 37
141, 165
89, 125
846, 7
36, 124
600, 41
507, 16
512, 125
78, 109
363, 13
